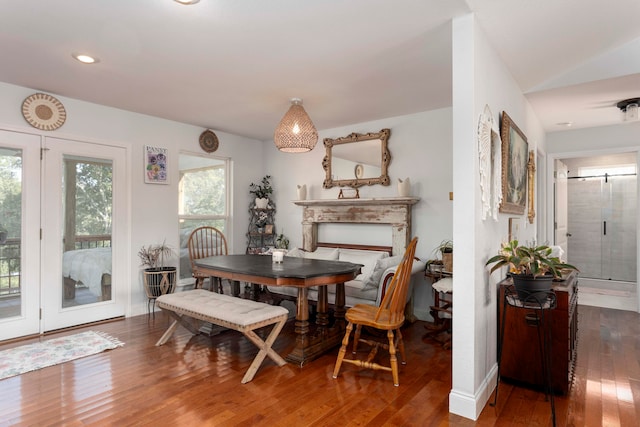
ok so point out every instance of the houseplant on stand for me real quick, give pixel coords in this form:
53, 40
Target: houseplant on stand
158, 279
262, 191
532, 268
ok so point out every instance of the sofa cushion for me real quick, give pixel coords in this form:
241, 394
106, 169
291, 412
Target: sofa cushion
381, 265
367, 258
330, 254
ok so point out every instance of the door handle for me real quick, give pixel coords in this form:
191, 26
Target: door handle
605, 227
568, 234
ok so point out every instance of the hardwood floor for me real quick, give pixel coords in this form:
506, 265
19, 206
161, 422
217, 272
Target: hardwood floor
196, 381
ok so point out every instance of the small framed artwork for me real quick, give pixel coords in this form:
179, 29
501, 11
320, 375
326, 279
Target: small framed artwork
515, 156
268, 229
515, 224
155, 165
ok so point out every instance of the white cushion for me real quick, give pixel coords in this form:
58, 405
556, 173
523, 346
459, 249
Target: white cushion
381, 265
443, 285
295, 252
329, 254
367, 258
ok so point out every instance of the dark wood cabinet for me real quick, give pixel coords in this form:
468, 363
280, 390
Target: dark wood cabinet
520, 361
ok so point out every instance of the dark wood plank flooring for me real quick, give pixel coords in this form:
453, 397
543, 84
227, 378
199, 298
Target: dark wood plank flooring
195, 381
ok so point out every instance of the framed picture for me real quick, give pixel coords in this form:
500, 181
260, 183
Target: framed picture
155, 165
515, 155
514, 228
268, 229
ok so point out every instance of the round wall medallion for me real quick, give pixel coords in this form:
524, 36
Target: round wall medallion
359, 171
209, 141
43, 111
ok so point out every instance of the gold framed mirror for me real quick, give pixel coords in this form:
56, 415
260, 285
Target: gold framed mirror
357, 159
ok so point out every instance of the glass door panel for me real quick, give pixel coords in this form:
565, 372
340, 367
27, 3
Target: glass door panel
87, 193
19, 234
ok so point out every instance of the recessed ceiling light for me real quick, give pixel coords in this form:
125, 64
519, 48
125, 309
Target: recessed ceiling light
187, 1
565, 124
85, 59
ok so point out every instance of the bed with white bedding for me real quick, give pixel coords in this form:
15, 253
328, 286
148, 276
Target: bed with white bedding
90, 267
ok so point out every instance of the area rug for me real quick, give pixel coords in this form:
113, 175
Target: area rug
30, 357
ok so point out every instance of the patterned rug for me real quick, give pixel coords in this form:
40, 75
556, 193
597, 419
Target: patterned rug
31, 357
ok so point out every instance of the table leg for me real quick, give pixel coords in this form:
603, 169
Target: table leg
311, 346
235, 288
302, 314
322, 318
340, 305
299, 354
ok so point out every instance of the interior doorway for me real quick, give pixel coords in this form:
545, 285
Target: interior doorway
602, 220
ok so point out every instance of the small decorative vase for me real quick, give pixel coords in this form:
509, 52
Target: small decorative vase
302, 192
404, 187
261, 203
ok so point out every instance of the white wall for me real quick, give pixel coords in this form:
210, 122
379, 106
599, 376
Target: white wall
479, 78
420, 147
153, 208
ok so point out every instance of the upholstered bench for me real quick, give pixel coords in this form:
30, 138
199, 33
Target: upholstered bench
230, 312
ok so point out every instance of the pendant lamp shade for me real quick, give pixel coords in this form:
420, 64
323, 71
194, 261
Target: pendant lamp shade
295, 132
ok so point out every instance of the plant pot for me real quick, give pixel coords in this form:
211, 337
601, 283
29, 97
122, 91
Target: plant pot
447, 261
532, 289
159, 281
261, 203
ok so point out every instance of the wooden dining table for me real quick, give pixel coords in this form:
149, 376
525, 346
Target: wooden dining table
301, 273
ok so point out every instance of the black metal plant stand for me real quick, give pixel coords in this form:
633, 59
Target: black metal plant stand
538, 305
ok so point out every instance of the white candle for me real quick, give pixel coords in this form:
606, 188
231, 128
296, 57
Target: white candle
277, 256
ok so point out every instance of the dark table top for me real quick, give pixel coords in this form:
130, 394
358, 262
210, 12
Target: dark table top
291, 267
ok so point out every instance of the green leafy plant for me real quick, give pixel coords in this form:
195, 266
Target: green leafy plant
282, 242
153, 256
529, 260
263, 189
445, 247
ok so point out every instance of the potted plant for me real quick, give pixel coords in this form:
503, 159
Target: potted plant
532, 268
158, 279
262, 191
446, 252
282, 242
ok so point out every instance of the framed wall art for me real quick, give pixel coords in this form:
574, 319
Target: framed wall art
515, 156
155, 165
515, 224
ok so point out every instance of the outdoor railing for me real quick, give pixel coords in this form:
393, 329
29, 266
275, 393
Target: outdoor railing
10, 267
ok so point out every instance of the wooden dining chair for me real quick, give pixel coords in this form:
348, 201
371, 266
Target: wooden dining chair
389, 316
206, 242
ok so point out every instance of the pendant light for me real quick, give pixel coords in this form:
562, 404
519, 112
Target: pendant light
295, 132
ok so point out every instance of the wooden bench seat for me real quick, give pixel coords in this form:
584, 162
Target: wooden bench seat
230, 312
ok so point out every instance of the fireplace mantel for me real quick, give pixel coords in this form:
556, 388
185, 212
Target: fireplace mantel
395, 211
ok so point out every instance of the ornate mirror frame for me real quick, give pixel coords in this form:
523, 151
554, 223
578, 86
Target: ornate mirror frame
359, 181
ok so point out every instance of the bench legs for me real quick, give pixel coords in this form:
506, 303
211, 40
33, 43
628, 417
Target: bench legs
265, 350
263, 346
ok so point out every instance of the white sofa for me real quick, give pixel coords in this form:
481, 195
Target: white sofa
367, 288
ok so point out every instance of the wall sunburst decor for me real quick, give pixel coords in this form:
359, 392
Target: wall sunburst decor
43, 111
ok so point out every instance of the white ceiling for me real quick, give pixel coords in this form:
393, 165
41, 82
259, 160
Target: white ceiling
233, 65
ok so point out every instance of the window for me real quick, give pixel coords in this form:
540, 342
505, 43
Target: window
203, 199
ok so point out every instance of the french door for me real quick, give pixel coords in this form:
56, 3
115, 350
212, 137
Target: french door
63, 233
84, 233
